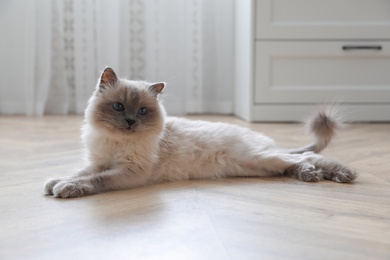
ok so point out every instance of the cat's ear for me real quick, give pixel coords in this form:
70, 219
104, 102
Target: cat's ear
108, 78
157, 88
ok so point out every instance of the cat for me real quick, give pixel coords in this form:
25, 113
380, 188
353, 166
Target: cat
130, 142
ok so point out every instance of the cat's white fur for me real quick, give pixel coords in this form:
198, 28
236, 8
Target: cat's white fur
171, 148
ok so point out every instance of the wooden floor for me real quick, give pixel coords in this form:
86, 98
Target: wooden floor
240, 218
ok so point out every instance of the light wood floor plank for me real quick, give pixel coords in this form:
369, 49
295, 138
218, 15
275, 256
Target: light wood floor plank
238, 218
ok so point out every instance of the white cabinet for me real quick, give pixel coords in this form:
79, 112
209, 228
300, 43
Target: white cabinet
292, 55
298, 72
322, 19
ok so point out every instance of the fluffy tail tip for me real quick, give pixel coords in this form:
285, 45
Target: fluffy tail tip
323, 126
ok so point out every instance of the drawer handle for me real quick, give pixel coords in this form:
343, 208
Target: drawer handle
362, 47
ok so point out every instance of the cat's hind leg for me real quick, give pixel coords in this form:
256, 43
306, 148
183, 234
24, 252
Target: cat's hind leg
335, 171
320, 168
271, 163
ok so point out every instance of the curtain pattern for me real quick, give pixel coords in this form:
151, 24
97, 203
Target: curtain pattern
188, 44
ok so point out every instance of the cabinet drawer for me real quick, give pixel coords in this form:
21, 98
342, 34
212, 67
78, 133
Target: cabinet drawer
315, 72
318, 19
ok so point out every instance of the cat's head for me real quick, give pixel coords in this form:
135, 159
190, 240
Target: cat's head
125, 108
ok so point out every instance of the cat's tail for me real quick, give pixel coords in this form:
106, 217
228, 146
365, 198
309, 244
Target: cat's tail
322, 125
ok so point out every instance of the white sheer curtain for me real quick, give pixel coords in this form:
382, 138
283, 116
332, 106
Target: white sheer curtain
53, 51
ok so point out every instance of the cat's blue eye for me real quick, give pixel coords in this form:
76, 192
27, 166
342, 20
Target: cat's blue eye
142, 111
118, 106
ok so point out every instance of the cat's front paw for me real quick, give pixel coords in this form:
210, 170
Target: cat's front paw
72, 189
50, 185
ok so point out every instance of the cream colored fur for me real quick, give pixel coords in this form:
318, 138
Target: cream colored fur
156, 148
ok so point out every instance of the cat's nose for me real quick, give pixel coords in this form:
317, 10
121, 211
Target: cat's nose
130, 122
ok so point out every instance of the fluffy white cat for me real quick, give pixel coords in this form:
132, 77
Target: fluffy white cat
129, 142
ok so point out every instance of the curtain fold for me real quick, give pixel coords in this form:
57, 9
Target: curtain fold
54, 51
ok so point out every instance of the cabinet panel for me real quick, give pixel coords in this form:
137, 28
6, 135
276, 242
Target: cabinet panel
315, 72
318, 19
